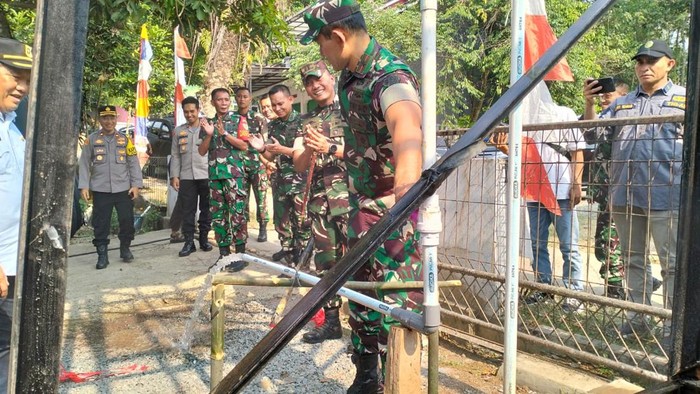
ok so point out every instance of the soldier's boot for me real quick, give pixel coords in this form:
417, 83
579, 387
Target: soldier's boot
277, 256
238, 265
367, 379
330, 329
188, 248
262, 234
124, 252
204, 244
102, 257
224, 250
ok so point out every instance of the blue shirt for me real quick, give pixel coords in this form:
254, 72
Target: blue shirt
12, 145
646, 160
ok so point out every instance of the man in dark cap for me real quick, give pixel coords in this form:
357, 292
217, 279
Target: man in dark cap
645, 176
15, 70
110, 170
379, 100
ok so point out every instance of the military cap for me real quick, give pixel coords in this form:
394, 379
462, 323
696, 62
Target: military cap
654, 48
15, 54
107, 110
324, 13
315, 69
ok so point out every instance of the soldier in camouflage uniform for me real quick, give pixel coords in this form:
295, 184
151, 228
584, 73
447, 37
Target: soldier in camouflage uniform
256, 176
379, 101
607, 241
321, 140
287, 184
225, 140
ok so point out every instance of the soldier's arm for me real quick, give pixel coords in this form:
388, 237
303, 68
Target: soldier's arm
403, 120
236, 142
302, 155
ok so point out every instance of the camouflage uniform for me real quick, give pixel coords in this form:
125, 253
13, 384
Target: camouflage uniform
288, 187
327, 205
256, 176
607, 241
370, 165
228, 184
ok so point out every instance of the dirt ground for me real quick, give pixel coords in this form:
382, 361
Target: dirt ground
126, 325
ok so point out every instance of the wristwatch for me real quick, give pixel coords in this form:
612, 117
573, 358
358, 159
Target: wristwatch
332, 149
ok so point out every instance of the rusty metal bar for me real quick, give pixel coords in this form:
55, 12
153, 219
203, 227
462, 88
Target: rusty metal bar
225, 279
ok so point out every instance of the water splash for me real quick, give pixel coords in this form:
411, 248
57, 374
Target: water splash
188, 333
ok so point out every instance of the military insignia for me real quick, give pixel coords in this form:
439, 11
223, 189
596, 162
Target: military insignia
623, 106
183, 133
182, 141
99, 141
121, 159
121, 151
678, 98
674, 104
28, 51
99, 157
648, 44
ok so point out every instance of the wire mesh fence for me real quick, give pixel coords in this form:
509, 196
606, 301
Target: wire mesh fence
591, 309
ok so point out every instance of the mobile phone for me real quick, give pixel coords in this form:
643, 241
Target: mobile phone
607, 83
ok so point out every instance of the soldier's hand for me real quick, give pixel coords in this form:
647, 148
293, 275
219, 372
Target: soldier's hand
175, 183
256, 141
208, 127
270, 167
316, 140
85, 194
275, 147
134, 192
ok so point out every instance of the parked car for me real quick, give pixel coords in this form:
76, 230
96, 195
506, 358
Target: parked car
159, 135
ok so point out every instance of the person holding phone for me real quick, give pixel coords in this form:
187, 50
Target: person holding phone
109, 169
645, 177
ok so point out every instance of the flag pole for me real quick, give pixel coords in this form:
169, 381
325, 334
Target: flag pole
517, 64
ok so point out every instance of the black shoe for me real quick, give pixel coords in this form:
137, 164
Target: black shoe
188, 248
537, 297
655, 284
330, 329
367, 380
236, 266
124, 252
102, 257
262, 234
204, 244
280, 255
224, 250
240, 248
616, 290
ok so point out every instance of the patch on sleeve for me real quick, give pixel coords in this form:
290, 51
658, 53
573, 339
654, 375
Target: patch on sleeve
130, 148
674, 104
676, 98
398, 92
623, 107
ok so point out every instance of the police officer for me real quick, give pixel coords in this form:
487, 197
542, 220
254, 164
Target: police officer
321, 141
110, 170
190, 177
379, 100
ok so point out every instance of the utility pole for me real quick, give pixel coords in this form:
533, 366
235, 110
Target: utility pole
52, 137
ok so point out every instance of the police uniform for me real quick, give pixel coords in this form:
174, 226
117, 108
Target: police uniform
288, 188
192, 170
109, 168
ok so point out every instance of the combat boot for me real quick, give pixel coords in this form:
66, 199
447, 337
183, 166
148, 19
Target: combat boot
277, 256
224, 250
124, 252
238, 265
262, 234
367, 379
330, 329
204, 244
102, 257
188, 248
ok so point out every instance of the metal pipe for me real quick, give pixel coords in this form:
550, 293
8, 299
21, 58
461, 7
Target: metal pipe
564, 292
218, 318
227, 279
510, 338
467, 147
561, 349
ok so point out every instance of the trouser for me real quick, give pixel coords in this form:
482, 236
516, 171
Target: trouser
227, 204
176, 217
6, 306
397, 259
192, 190
293, 234
103, 203
607, 248
258, 181
328, 231
566, 227
635, 226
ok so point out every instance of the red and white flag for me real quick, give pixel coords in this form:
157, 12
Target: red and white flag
180, 52
538, 107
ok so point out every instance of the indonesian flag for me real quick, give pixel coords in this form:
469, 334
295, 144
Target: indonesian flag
180, 52
142, 104
538, 107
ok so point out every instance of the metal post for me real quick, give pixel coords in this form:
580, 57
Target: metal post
510, 338
218, 317
52, 137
